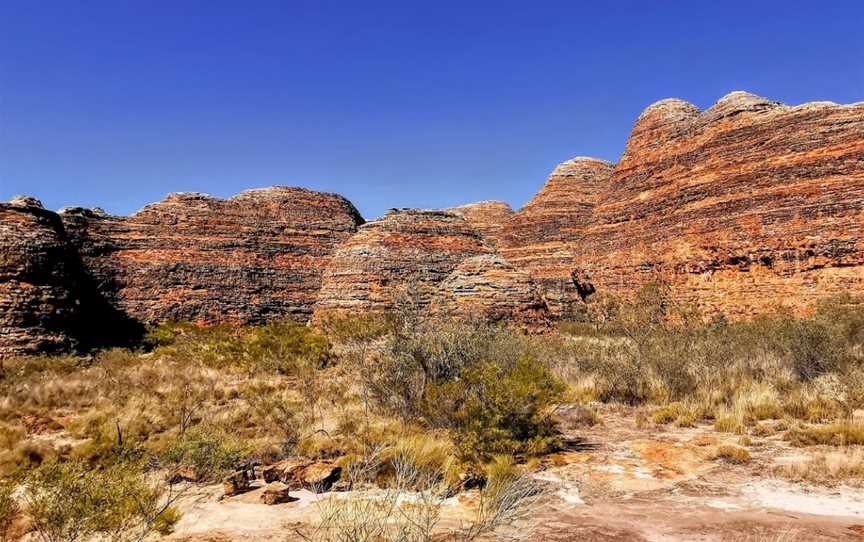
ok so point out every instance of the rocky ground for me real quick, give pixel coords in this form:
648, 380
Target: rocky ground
619, 480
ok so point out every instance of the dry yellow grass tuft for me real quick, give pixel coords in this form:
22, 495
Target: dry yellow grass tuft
826, 467
841, 433
732, 454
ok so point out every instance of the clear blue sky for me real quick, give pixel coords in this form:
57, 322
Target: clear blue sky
392, 104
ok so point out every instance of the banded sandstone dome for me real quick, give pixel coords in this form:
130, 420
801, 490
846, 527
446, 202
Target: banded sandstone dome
39, 297
745, 206
740, 207
403, 255
251, 258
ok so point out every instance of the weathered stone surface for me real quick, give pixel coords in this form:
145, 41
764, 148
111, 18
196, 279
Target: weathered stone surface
487, 216
540, 238
403, 255
39, 290
237, 482
740, 208
277, 495
248, 259
488, 288
316, 476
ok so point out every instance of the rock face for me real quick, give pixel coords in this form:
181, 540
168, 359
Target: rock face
39, 290
489, 288
399, 258
254, 257
487, 216
739, 208
541, 237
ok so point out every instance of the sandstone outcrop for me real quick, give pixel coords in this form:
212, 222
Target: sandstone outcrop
398, 259
251, 258
488, 288
39, 290
487, 216
541, 237
740, 208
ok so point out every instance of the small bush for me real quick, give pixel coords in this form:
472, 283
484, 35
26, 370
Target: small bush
498, 411
726, 421
670, 413
167, 520
71, 501
211, 452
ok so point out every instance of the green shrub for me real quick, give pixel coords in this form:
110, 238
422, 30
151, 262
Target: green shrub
165, 522
495, 410
415, 358
166, 333
279, 347
71, 501
211, 452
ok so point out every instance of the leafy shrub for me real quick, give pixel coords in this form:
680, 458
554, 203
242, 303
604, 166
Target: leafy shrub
416, 358
496, 410
211, 452
71, 501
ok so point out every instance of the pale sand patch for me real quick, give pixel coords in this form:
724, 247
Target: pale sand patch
785, 496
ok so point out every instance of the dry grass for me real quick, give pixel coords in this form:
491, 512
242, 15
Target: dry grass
846, 466
731, 453
840, 433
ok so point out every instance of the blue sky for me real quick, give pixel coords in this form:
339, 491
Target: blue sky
392, 104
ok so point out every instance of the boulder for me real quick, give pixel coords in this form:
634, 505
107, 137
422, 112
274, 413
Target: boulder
277, 495
237, 482
317, 476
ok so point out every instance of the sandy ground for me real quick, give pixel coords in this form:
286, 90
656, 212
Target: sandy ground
616, 482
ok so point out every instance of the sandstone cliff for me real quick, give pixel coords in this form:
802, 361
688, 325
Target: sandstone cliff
399, 258
488, 288
39, 290
745, 206
742, 207
487, 216
541, 237
251, 258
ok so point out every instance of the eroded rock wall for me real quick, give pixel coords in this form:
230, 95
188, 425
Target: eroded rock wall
39, 290
541, 238
397, 260
252, 258
487, 216
488, 288
741, 208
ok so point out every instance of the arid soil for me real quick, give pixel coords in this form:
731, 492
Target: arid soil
618, 480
